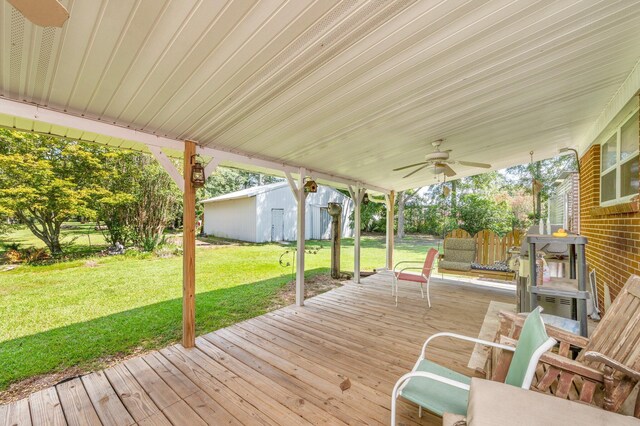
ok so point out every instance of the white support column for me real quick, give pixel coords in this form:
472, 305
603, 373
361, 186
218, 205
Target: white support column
356, 195
300, 235
390, 203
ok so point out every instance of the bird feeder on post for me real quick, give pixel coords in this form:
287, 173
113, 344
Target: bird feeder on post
335, 211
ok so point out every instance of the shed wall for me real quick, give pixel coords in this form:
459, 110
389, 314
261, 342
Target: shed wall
235, 219
282, 198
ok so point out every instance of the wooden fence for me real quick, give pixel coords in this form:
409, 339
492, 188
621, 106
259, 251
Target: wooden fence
490, 247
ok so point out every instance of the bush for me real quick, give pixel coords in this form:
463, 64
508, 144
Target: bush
150, 243
28, 255
11, 246
167, 250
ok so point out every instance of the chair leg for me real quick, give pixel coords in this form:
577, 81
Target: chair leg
394, 400
420, 411
428, 298
421, 291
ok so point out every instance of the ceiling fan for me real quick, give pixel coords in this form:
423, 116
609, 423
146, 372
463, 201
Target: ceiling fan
440, 162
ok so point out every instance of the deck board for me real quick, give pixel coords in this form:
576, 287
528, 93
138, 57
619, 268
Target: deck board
284, 367
46, 409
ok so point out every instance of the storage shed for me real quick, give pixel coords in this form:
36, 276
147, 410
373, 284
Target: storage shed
268, 213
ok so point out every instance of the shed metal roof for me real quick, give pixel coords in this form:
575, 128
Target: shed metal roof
247, 192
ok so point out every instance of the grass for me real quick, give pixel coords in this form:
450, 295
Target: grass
79, 312
79, 239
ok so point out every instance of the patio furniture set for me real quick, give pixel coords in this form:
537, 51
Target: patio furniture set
529, 353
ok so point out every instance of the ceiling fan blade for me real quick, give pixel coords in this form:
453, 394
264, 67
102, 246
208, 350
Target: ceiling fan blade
415, 171
409, 166
472, 164
448, 171
44, 13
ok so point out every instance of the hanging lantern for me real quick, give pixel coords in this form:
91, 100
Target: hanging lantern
197, 172
310, 186
365, 198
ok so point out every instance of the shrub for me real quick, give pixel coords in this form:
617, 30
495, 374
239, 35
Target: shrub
150, 243
167, 250
28, 255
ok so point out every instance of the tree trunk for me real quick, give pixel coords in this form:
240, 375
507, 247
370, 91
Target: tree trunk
401, 202
49, 233
454, 194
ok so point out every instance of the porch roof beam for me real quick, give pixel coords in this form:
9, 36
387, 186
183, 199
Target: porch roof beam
36, 113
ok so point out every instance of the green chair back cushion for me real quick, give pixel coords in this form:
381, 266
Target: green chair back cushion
532, 336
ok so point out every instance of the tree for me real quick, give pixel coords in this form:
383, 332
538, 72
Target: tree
519, 178
403, 197
140, 201
476, 212
45, 181
226, 180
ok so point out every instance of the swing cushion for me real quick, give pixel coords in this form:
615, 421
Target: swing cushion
458, 254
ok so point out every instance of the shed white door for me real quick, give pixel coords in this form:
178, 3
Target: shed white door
277, 224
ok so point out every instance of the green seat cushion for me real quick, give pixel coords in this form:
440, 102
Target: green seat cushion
454, 266
460, 244
435, 396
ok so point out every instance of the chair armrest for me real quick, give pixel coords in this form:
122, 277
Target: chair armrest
407, 261
465, 338
598, 357
566, 364
555, 332
410, 268
427, 375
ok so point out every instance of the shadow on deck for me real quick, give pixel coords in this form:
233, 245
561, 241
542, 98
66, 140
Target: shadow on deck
284, 367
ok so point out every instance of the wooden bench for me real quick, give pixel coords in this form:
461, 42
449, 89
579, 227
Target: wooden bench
490, 248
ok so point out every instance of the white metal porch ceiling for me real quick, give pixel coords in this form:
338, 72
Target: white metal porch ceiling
351, 88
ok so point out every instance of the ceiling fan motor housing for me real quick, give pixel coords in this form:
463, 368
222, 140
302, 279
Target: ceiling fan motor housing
438, 155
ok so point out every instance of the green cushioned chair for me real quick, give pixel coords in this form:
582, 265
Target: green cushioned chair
439, 389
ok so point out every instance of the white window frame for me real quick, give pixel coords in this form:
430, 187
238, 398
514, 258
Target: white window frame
618, 163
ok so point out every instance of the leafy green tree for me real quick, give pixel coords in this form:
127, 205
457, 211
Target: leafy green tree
140, 201
225, 180
402, 198
45, 181
476, 212
519, 178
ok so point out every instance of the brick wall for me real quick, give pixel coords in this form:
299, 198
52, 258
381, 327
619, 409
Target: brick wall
613, 232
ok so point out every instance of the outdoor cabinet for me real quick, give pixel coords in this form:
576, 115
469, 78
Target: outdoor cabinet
574, 287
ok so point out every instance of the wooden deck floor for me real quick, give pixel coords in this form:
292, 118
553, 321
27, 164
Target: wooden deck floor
284, 367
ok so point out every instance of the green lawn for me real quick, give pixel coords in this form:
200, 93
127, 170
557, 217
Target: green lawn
77, 312
78, 238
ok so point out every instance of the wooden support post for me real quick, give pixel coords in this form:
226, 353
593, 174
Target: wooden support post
300, 235
391, 198
189, 252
